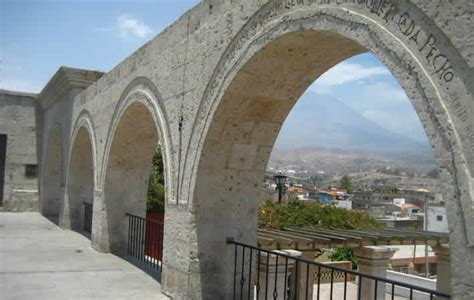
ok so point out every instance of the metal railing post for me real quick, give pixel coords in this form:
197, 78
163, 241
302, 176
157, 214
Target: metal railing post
145, 243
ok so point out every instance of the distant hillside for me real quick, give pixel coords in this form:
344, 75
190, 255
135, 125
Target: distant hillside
336, 161
319, 121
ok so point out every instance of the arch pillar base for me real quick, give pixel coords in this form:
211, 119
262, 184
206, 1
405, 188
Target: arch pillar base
198, 262
65, 216
99, 234
179, 239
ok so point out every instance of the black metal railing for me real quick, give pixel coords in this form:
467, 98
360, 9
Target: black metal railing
145, 243
87, 227
266, 274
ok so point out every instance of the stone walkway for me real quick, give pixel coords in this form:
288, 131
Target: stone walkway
39, 260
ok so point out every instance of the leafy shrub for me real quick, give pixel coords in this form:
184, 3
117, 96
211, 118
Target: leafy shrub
312, 214
156, 185
344, 254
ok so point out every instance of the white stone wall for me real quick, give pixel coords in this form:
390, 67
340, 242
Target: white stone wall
434, 224
410, 279
18, 122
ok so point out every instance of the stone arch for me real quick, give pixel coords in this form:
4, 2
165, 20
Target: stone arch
280, 51
141, 89
51, 177
81, 176
137, 128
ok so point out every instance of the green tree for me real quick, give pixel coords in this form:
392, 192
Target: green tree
346, 183
156, 185
313, 214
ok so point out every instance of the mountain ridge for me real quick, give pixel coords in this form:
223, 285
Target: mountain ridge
323, 122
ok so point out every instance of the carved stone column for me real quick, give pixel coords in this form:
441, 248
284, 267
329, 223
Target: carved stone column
273, 276
302, 275
373, 260
443, 268
99, 234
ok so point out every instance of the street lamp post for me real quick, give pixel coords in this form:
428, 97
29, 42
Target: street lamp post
280, 181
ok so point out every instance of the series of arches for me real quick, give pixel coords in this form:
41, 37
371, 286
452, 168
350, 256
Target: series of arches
69, 187
256, 92
252, 90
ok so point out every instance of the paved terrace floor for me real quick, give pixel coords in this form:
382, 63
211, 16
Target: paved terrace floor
351, 293
39, 260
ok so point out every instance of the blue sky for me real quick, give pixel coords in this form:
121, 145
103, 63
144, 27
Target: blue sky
39, 36
36, 37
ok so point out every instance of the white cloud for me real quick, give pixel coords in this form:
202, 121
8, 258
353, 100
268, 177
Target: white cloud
21, 85
344, 73
381, 91
405, 123
128, 26
372, 92
387, 105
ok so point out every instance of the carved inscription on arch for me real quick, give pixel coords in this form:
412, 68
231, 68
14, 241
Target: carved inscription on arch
407, 25
387, 10
425, 43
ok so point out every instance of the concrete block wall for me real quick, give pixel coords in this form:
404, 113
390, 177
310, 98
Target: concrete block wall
18, 122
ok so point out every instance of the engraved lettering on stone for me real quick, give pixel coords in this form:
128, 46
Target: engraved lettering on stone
460, 110
469, 131
439, 61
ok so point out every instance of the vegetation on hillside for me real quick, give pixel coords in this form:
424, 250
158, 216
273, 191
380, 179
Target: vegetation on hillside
346, 184
433, 173
156, 186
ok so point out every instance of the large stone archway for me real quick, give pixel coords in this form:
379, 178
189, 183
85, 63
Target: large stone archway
51, 177
128, 170
228, 73
79, 196
280, 51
